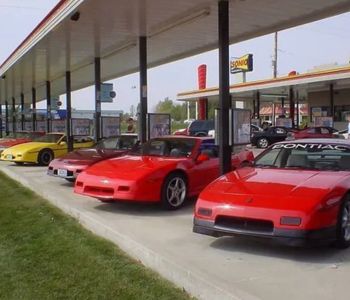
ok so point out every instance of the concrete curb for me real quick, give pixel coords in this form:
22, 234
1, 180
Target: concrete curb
193, 284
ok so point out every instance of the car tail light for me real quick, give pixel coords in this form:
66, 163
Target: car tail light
290, 221
206, 212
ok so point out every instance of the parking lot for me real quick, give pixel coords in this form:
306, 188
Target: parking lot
225, 268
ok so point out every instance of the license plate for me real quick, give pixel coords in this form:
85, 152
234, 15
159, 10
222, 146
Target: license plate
62, 172
9, 156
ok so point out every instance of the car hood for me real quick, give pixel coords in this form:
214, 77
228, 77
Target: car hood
272, 187
13, 142
31, 146
90, 154
133, 165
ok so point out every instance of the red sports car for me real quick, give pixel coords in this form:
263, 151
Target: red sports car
70, 165
318, 132
165, 170
20, 137
295, 192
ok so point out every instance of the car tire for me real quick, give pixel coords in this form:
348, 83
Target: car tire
201, 134
262, 143
19, 163
45, 156
343, 225
174, 191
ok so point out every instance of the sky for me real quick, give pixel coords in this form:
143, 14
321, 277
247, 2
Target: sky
300, 49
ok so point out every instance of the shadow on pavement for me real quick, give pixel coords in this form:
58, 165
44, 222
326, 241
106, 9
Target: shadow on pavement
145, 209
317, 255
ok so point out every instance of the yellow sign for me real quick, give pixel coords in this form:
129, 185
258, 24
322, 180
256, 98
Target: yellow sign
242, 64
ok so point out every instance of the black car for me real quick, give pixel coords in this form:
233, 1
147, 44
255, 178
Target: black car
271, 135
200, 127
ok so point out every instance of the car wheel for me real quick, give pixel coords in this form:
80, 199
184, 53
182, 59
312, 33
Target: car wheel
19, 163
343, 225
174, 191
263, 143
45, 157
201, 134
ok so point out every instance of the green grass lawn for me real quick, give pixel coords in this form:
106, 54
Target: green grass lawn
46, 255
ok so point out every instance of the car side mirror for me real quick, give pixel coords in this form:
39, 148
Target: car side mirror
202, 158
61, 143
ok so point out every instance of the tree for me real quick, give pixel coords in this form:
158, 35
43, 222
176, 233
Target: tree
165, 106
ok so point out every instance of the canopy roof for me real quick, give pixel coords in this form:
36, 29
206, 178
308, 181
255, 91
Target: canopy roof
110, 29
275, 89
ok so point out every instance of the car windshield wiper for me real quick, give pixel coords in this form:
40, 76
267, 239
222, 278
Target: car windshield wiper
300, 167
259, 165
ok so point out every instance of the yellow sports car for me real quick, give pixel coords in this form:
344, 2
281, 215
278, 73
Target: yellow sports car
44, 149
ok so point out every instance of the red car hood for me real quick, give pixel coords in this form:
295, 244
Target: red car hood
13, 142
134, 165
89, 155
271, 187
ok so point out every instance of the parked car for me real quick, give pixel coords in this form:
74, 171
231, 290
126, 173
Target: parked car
167, 170
200, 127
314, 132
183, 131
70, 165
44, 149
342, 134
20, 138
271, 135
295, 192
253, 128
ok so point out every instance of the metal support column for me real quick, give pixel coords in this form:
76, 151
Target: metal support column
331, 98
13, 114
258, 105
48, 106
70, 139
97, 99
6, 118
254, 108
143, 89
22, 111
1, 129
224, 88
298, 113
34, 109
282, 107
292, 106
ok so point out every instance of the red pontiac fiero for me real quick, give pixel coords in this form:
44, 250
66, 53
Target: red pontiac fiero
294, 192
165, 170
70, 165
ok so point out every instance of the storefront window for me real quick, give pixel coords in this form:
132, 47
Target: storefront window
319, 111
341, 112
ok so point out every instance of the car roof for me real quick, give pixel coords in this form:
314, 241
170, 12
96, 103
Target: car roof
319, 141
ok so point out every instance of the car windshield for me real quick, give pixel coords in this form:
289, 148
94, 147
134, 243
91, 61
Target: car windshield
306, 156
118, 142
49, 138
166, 147
17, 135
32, 135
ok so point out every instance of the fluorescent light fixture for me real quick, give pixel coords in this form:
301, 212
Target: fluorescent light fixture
81, 65
178, 21
120, 49
274, 95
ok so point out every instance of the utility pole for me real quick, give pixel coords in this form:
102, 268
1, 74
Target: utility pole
275, 56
